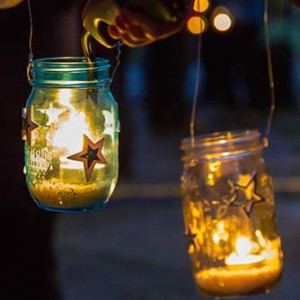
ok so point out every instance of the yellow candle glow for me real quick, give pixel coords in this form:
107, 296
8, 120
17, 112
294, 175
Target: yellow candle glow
242, 257
72, 189
70, 128
227, 281
236, 260
58, 194
229, 215
243, 273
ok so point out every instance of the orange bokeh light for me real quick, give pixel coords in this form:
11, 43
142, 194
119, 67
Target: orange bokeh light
196, 25
201, 5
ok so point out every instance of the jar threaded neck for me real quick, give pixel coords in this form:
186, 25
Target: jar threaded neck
70, 72
220, 145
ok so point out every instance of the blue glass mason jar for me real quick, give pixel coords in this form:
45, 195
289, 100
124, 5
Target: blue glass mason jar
70, 128
229, 214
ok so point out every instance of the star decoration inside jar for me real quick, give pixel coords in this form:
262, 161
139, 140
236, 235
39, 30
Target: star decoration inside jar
245, 193
90, 155
28, 125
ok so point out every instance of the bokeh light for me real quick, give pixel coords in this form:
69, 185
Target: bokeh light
201, 5
196, 25
222, 20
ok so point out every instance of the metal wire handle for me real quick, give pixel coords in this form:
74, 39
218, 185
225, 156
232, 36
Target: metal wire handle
270, 77
196, 89
30, 56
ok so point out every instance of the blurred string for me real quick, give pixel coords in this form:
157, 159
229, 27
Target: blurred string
197, 83
270, 78
30, 58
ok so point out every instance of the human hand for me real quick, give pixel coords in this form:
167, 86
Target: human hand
135, 29
9, 3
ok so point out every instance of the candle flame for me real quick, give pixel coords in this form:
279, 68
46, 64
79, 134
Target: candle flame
242, 256
243, 246
68, 136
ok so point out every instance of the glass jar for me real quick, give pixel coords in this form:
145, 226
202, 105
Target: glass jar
229, 214
70, 127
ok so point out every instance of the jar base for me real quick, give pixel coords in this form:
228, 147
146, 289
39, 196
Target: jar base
245, 283
71, 209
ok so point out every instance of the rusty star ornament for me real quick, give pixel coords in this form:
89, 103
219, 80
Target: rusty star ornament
246, 195
90, 155
28, 125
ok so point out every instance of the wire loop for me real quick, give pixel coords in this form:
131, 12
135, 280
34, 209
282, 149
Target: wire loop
265, 139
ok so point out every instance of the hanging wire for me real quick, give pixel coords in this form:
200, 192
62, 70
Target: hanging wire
271, 76
197, 85
30, 57
88, 51
118, 60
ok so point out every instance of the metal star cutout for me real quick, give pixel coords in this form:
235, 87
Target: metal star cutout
246, 196
90, 155
28, 125
190, 236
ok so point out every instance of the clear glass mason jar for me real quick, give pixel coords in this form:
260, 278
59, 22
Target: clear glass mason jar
70, 127
229, 214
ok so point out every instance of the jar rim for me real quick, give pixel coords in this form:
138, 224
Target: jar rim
69, 62
222, 145
70, 71
217, 138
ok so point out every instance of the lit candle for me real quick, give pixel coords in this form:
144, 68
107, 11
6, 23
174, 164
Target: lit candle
242, 256
225, 281
237, 260
76, 170
228, 209
244, 273
69, 195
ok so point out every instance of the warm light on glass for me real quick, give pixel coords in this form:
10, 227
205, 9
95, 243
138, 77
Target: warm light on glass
201, 5
228, 208
196, 25
243, 246
242, 255
222, 21
221, 233
71, 131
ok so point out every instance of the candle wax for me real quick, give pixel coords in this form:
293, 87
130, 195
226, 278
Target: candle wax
230, 281
71, 195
